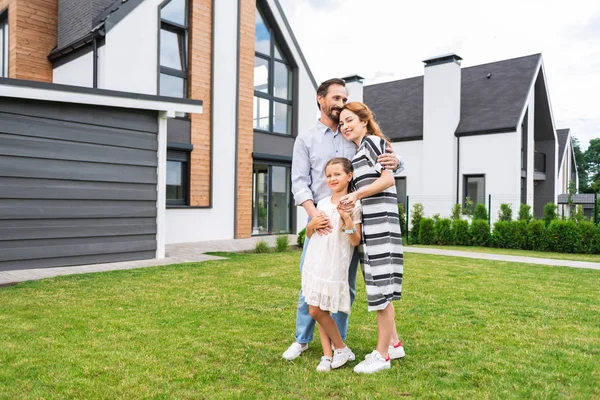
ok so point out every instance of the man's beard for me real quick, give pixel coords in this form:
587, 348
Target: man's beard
334, 117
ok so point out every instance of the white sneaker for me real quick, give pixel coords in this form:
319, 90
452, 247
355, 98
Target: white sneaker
342, 356
294, 351
324, 365
394, 352
374, 362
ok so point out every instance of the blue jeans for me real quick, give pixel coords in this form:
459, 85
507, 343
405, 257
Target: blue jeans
305, 325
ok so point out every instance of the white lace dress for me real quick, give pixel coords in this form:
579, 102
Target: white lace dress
326, 263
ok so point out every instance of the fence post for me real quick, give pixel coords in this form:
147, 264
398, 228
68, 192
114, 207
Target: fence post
596, 208
407, 216
490, 211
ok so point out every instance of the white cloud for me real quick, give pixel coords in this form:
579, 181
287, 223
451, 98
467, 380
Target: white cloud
385, 40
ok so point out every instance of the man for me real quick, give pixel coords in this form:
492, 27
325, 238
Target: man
312, 151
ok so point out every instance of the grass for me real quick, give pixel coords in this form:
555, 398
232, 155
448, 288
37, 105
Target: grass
472, 329
522, 253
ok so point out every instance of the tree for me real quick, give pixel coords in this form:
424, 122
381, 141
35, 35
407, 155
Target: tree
582, 169
592, 160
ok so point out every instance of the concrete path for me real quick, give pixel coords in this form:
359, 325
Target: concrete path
175, 254
195, 252
504, 257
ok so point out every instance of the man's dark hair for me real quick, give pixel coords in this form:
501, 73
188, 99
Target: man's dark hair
324, 87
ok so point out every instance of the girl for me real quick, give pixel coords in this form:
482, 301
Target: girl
325, 269
381, 250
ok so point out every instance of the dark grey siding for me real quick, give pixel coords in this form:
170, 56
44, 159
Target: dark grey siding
77, 184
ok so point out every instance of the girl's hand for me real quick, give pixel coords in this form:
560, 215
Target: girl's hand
320, 224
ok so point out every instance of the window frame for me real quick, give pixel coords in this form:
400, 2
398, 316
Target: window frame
404, 179
465, 188
183, 157
178, 29
270, 164
271, 59
4, 43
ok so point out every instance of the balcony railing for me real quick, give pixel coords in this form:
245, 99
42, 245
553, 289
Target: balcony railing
539, 162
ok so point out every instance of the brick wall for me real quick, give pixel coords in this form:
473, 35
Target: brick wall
245, 126
199, 86
32, 35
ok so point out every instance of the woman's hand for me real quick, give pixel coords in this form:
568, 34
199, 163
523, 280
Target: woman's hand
348, 202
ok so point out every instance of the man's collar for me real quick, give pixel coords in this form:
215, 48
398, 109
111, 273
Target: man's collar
323, 128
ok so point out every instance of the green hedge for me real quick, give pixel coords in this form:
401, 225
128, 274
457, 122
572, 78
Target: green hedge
535, 234
480, 232
427, 231
443, 231
460, 232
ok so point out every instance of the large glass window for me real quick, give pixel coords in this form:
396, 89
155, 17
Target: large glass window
474, 188
401, 190
4, 45
173, 49
271, 199
272, 82
177, 177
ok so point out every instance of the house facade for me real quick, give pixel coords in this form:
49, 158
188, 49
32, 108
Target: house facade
485, 132
228, 169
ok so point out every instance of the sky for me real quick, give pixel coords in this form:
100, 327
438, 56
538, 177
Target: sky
386, 40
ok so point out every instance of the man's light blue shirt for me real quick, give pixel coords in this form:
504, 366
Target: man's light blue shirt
312, 150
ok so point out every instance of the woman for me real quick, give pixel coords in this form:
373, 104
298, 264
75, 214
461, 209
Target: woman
381, 255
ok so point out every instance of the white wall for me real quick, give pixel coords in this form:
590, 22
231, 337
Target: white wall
498, 157
131, 51
441, 114
216, 223
79, 72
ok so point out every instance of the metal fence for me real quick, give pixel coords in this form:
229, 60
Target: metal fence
442, 206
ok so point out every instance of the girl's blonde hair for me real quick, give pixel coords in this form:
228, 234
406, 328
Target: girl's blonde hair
365, 114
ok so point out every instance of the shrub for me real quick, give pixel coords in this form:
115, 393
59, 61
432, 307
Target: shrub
535, 234
460, 232
455, 212
525, 213
587, 237
427, 231
502, 235
402, 218
468, 207
417, 216
261, 247
301, 236
578, 215
550, 213
519, 235
282, 243
505, 212
480, 212
443, 231
480, 232
562, 236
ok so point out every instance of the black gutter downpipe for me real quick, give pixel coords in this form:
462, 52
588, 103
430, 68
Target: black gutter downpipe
457, 167
95, 56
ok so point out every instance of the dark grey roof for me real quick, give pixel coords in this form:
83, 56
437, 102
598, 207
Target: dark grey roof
398, 107
491, 104
563, 135
79, 21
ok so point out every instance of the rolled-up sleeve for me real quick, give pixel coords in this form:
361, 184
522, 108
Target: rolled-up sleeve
400, 165
301, 179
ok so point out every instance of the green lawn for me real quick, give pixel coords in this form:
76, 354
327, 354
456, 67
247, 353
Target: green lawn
472, 329
522, 253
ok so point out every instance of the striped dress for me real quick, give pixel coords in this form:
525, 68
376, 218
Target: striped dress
381, 247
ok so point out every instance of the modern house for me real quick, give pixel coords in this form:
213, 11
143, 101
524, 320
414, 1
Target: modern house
475, 132
228, 167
